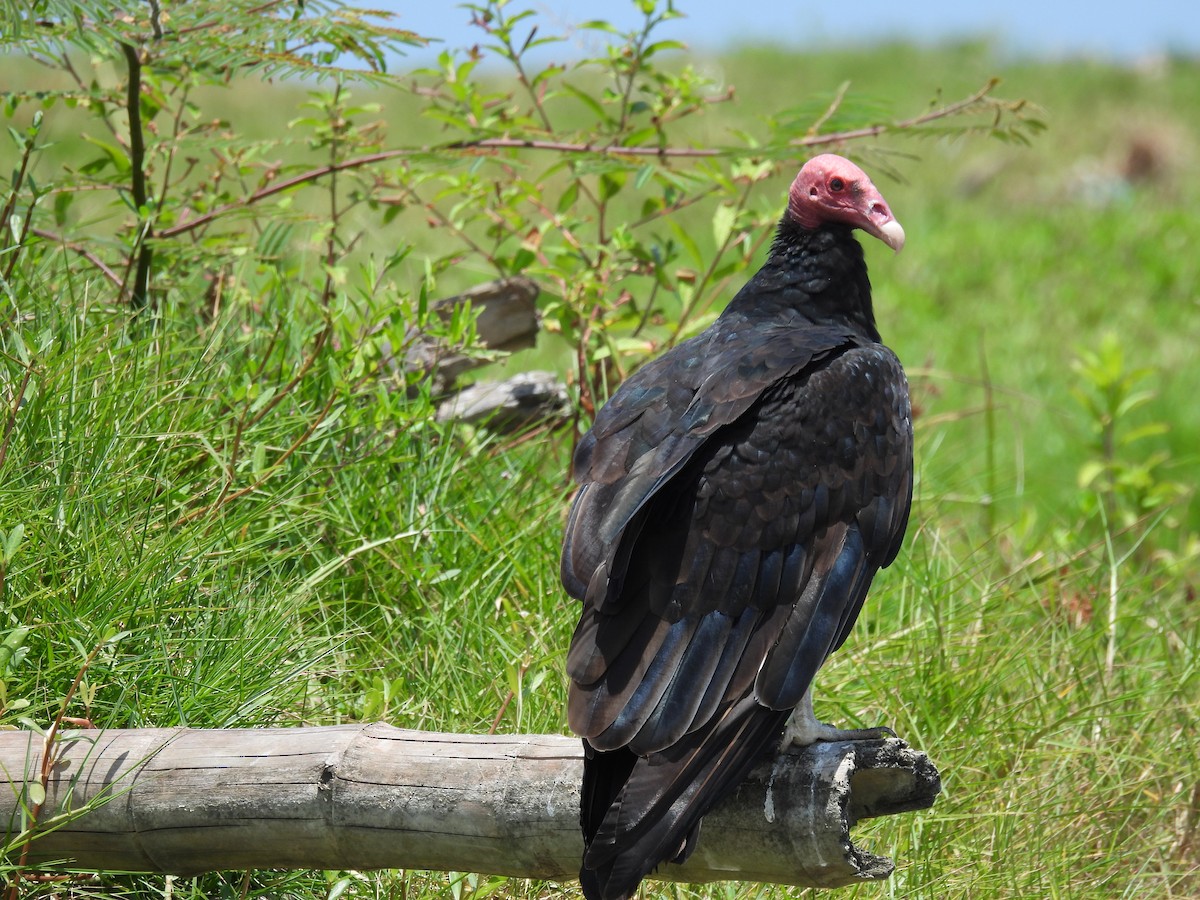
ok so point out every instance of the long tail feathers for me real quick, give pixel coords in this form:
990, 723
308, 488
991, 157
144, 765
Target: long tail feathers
639, 812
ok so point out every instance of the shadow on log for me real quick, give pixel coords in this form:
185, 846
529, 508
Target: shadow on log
185, 801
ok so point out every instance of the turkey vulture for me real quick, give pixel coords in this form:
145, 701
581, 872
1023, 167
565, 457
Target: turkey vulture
737, 495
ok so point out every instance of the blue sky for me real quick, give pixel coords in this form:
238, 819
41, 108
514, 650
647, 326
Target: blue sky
1125, 30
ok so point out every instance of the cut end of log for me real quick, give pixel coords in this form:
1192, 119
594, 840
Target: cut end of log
891, 778
790, 820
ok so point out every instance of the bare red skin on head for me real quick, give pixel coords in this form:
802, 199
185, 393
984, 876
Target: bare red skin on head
830, 188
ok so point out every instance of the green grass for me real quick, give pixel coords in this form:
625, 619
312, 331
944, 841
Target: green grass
388, 568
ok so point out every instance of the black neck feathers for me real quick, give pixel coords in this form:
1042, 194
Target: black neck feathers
819, 273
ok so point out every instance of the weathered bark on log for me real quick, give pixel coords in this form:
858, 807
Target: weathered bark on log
523, 400
185, 801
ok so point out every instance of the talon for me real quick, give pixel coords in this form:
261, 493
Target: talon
878, 733
803, 728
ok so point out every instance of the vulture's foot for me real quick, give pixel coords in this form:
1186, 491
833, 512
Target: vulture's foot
803, 728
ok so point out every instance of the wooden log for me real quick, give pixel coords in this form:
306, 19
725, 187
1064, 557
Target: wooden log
527, 399
506, 320
185, 801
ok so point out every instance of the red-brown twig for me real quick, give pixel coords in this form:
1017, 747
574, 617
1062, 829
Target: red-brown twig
11, 419
82, 250
493, 144
227, 496
925, 118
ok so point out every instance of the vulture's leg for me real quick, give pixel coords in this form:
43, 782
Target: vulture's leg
804, 729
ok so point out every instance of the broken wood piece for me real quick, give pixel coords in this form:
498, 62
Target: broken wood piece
506, 320
185, 801
523, 400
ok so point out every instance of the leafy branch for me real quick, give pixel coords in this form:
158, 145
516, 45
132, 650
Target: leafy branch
1009, 119
576, 175
968, 106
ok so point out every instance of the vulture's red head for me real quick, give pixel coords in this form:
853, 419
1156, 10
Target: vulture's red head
830, 188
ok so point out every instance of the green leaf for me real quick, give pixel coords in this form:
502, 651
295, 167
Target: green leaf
549, 72
689, 244
36, 792
267, 395
640, 137
1131, 402
11, 645
1153, 429
599, 25
722, 223
1089, 473
567, 201
521, 260
115, 156
645, 173
611, 184
659, 46
11, 541
590, 102
62, 203
258, 460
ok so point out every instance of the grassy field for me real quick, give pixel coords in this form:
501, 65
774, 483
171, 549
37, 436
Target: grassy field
221, 557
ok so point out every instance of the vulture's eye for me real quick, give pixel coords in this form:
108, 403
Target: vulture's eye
836, 185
